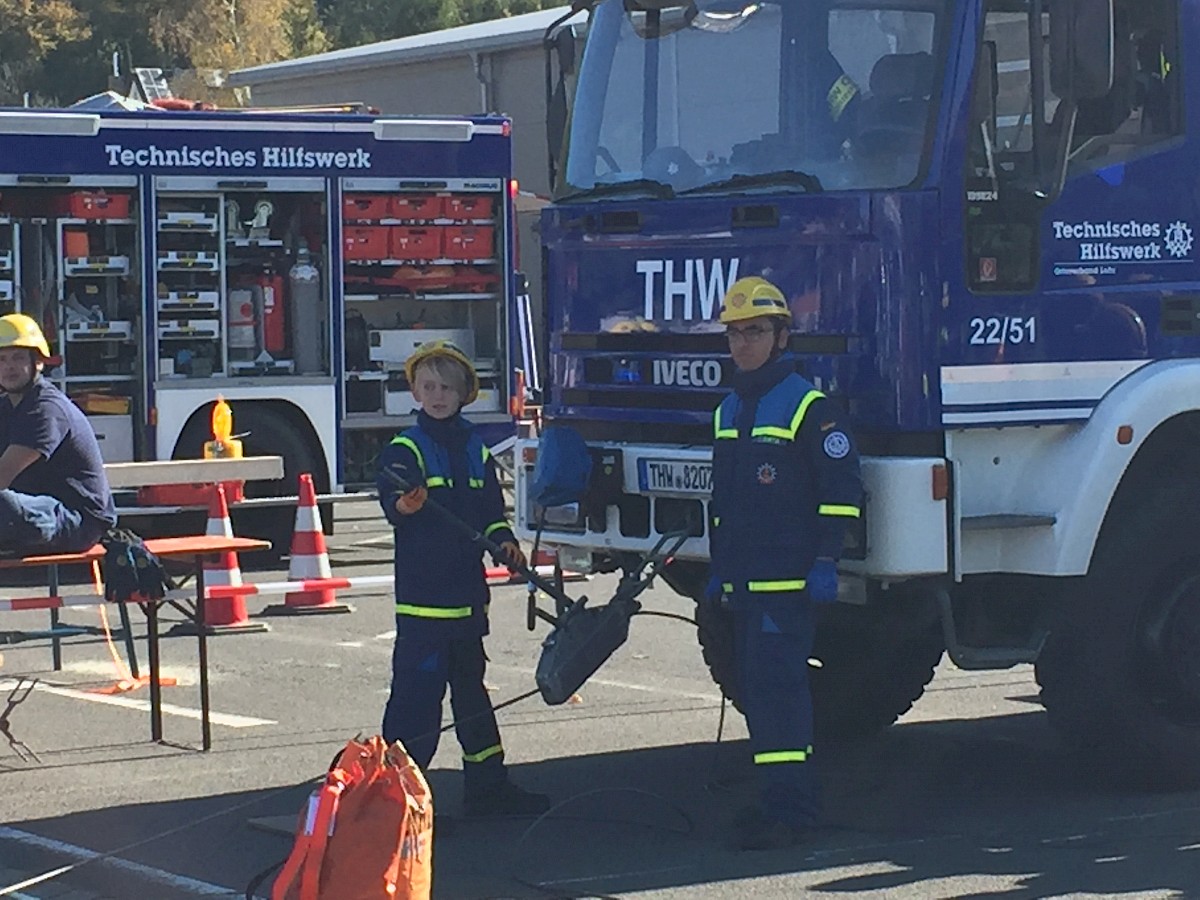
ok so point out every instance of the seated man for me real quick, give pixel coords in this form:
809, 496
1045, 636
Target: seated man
54, 496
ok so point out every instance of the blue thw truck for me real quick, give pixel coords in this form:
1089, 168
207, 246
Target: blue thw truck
984, 214
288, 262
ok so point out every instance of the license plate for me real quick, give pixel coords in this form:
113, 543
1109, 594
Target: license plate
674, 476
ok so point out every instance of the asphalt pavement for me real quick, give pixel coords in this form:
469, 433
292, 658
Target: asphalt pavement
971, 795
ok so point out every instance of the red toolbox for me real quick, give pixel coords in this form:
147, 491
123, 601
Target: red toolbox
188, 494
366, 207
365, 242
94, 205
468, 206
416, 243
421, 207
469, 242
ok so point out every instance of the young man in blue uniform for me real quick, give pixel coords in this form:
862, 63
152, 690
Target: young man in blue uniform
441, 589
785, 485
54, 496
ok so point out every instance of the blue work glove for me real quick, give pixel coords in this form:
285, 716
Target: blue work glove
823, 581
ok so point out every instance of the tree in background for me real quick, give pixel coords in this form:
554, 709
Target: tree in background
352, 23
29, 33
62, 50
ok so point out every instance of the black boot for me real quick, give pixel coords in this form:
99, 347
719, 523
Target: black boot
505, 799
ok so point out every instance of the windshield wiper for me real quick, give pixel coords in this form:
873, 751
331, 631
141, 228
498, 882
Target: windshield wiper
650, 185
810, 183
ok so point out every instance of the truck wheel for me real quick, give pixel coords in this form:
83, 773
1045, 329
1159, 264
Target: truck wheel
1120, 675
272, 433
874, 665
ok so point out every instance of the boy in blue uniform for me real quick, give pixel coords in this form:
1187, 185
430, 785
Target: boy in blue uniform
786, 484
54, 496
441, 590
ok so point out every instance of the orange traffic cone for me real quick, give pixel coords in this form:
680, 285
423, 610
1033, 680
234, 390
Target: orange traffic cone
309, 560
222, 615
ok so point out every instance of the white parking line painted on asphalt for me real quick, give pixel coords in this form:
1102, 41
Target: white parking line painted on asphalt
388, 541
184, 675
184, 712
711, 696
82, 854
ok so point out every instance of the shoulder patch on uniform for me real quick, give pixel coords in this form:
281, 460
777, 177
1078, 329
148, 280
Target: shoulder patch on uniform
837, 444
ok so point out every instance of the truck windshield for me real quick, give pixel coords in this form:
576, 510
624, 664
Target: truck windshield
736, 95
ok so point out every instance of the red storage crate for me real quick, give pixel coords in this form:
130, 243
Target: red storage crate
365, 242
188, 494
417, 206
365, 207
416, 243
468, 206
94, 205
469, 242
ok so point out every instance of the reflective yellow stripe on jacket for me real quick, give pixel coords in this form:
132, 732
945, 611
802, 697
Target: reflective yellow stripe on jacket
438, 481
433, 612
783, 756
834, 509
789, 433
770, 587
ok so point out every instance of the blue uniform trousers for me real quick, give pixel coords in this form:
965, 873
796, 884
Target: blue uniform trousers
37, 523
423, 664
774, 639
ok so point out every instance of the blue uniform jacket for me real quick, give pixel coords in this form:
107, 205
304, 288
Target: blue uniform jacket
440, 581
786, 482
70, 467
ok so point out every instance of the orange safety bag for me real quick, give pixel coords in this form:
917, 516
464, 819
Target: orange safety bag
366, 833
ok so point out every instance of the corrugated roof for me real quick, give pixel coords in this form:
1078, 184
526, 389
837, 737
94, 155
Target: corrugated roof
498, 34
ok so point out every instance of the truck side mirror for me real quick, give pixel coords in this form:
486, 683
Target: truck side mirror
1081, 48
559, 48
987, 86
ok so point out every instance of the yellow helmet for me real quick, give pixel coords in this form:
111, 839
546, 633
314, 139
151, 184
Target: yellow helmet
749, 298
430, 350
17, 330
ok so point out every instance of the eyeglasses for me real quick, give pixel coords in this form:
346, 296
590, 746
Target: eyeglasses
751, 334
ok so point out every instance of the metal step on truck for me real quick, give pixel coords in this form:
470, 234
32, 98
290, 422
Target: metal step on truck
983, 214
288, 262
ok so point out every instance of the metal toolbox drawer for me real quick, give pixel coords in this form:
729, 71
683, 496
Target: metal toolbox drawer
190, 329
189, 301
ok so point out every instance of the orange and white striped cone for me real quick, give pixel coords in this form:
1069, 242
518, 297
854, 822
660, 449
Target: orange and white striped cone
222, 615
309, 560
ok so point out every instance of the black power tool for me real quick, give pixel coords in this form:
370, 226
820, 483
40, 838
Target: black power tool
583, 637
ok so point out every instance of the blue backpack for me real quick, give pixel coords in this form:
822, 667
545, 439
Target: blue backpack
563, 467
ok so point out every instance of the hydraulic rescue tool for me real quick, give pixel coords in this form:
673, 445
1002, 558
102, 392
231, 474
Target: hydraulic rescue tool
583, 637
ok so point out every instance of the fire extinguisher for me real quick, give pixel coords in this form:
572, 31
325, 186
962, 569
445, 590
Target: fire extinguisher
274, 316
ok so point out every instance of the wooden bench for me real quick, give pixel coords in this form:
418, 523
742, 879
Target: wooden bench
196, 548
124, 476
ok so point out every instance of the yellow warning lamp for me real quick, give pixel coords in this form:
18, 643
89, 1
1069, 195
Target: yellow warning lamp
223, 445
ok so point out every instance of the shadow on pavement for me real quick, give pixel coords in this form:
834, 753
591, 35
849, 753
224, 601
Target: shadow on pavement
980, 808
